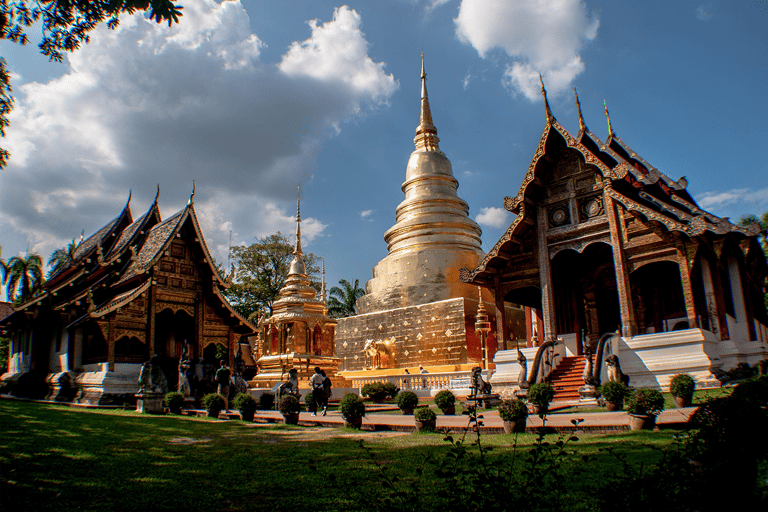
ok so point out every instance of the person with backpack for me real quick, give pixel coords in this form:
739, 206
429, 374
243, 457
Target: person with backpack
222, 378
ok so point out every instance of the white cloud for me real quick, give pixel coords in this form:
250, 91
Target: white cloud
365, 213
147, 104
736, 196
704, 12
493, 217
543, 36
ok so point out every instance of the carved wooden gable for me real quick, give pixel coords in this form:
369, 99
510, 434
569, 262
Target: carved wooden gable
176, 268
573, 191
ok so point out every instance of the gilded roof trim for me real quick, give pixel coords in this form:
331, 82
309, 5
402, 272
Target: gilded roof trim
121, 300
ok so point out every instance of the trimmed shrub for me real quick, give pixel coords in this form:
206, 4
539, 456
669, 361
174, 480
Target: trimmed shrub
513, 410
407, 400
391, 389
424, 414
214, 402
375, 391
614, 391
244, 403
266, 401
541, 394
173, 401
352, 406
645, 402
682, 386
309, 401
445, 400
289, 404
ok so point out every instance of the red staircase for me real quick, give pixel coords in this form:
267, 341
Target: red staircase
567, 378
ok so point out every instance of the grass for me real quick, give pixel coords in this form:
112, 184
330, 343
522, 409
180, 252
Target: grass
59, 458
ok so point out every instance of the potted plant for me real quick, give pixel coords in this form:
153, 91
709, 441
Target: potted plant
267, 401
643, 406
173, 401
214, 403
375, 391
446, 401
289, 407
407, 401
540, 395
309, 401
682, 387
613, 393
514, 414
391, 389
246, 404
426, 419
352, 410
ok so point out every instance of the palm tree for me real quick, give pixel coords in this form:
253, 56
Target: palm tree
24, 277
3, 267
61, 257
343, 300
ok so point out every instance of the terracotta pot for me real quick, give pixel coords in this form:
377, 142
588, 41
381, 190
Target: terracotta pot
353, 422
291, 419
450, 411
613, 406
537, 409
407, 412
639, 422
514, 426
426, 425
213, 413
683, 401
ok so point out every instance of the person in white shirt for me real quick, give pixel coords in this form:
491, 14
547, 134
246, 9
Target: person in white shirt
316, 382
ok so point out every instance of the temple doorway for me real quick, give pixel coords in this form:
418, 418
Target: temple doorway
658, 293
172, 331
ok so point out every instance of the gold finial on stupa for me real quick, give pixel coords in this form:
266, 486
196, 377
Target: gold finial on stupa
298, 223
608, 118
582, 126
550, 117
426, 133
323, 297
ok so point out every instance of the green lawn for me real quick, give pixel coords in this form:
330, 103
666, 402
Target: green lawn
64, 458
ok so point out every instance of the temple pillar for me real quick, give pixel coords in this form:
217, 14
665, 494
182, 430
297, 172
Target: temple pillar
623, 286
545, 278
111, 319
714, 296
685, 279
502, 331
528, 326
151, 321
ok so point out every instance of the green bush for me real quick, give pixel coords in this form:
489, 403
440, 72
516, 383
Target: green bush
445, 400
244, 403
173, 400
266, 401
352, 406
289, 404
214, 402
424, 414
391, 389
614, 391
645, 402
309, 400
541, 394
513, 410
375, 390
682, 386
407, 400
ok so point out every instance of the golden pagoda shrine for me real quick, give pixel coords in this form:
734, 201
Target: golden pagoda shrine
299, 335
416, 310
603, 242
133, 290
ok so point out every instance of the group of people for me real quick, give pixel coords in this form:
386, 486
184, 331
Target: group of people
321, 390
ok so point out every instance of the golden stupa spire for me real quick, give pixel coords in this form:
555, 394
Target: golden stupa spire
582, 126
298, 252
426, 133
323, 297
608, 118
550, 117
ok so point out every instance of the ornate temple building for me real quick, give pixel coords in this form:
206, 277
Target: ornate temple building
604, 242
134, 289
416, 310
299, 335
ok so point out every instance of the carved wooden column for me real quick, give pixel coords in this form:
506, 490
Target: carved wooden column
232, 349
502, 332
714, 295
199, 324
685, 266
545, 278
111, 321
623, 285
151, 320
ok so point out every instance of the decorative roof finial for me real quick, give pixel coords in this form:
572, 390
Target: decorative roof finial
192, 197
426, 133
298, 224
582, 126
157, 194
550, 117
130, 195
608, 118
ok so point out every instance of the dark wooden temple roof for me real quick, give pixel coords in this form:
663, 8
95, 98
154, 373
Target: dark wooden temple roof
633, 182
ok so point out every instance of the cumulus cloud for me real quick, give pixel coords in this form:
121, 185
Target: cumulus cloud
147, 104
704, 12
544, 37
493, 217
736, 196
365, 214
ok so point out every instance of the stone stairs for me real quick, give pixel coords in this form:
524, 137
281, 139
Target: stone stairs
567, 378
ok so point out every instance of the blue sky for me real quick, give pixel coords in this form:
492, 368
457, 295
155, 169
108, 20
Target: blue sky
251, 99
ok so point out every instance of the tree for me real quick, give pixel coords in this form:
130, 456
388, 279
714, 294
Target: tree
61, 257
343, 301
65, 26
25, 276
3, 267
762, 237
260, 272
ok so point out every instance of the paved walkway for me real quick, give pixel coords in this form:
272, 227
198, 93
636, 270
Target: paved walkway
492, 423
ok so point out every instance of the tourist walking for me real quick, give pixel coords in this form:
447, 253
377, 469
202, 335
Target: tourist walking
326, 391
222, 378
316, 382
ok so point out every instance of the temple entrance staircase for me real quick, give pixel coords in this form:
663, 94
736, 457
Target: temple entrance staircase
567, 378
